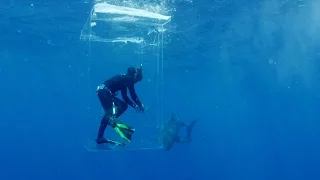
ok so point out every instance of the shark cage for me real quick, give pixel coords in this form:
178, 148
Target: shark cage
119, 35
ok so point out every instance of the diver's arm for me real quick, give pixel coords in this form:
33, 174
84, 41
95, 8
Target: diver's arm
126, 98
133, 95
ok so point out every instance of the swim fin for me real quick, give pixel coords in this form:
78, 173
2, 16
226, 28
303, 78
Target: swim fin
108, 141
116, 142
124, 131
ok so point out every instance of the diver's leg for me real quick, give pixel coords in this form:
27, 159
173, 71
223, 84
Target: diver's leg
124, 130
105, 99
106, 102
121, 105
103, 125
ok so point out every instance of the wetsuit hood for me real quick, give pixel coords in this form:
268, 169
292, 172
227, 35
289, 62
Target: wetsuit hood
136, 73
131, 71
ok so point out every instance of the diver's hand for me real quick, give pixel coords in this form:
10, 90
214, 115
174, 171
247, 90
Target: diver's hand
139, 109
142, 108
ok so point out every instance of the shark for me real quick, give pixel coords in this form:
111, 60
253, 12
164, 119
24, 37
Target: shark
169, 133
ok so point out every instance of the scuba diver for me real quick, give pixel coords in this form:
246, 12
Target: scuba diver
115, 107
169, 134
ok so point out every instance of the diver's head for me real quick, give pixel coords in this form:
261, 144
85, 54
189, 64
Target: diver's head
136, 73
131, 71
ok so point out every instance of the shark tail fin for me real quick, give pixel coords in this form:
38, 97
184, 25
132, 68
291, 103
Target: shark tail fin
190, 127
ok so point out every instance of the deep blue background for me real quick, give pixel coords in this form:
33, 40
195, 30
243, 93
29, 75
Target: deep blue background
248, 70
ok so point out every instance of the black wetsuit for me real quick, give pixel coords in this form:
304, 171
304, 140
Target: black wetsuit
107, 96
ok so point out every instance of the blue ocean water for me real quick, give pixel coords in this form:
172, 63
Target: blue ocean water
248, 70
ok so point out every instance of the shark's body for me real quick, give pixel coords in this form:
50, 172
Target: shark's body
169, 134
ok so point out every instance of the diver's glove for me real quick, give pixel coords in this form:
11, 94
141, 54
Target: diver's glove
142, 108
139, 108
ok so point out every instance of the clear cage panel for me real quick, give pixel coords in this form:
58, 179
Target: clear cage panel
117, 37
117, 23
